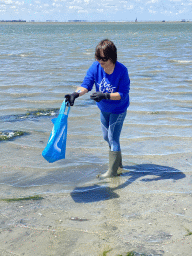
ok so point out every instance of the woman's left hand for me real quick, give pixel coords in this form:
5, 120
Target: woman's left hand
98, 96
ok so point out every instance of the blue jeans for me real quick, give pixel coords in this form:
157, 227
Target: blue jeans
111, 125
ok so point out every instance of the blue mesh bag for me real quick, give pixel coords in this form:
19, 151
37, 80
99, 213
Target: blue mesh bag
56, 145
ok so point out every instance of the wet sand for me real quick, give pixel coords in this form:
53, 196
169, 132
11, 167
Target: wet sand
146, 210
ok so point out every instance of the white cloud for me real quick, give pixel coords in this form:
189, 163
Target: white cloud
76, 1
75, 7
152, 11
152, 1
46, 11
7, 1
82, 11
130, 7
19, 3
100, 10
56, 5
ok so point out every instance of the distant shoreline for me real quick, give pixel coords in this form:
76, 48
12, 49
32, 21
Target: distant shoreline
87, 22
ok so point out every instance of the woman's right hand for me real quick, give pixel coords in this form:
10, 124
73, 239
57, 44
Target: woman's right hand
70, 98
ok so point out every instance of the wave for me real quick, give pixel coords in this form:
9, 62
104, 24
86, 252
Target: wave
27, 54
181, 61
159, 112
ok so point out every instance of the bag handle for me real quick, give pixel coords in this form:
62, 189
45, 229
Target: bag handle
63, 108
68, 108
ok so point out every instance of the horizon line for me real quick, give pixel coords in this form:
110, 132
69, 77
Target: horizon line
89, 21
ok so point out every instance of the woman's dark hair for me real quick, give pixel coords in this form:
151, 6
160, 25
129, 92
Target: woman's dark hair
109, 50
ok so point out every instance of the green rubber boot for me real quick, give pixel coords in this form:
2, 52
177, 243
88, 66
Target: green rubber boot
114, 163
120, 163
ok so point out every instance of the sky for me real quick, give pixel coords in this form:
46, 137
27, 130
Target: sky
96, 10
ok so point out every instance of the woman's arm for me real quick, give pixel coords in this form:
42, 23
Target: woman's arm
81, 91
115, 96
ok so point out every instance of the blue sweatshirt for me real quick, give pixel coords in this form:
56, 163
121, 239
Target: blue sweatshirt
118, 81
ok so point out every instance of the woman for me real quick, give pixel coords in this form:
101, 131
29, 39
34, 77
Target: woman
112, 84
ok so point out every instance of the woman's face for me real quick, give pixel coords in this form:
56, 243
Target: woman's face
104, 62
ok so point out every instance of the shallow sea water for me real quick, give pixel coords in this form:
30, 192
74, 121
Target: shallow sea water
40, 63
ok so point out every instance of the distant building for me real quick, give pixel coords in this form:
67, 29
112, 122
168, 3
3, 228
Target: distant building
136, 20
51, 20
183, 20
77, 21
12, 20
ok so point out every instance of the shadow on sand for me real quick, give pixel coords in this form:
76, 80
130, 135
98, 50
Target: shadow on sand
148, 173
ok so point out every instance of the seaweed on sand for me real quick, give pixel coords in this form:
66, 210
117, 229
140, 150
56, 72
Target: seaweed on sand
189, 233
105, 252
8, 135
129, 254
37, 197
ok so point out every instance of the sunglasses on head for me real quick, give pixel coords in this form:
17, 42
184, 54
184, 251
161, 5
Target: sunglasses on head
104, 59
